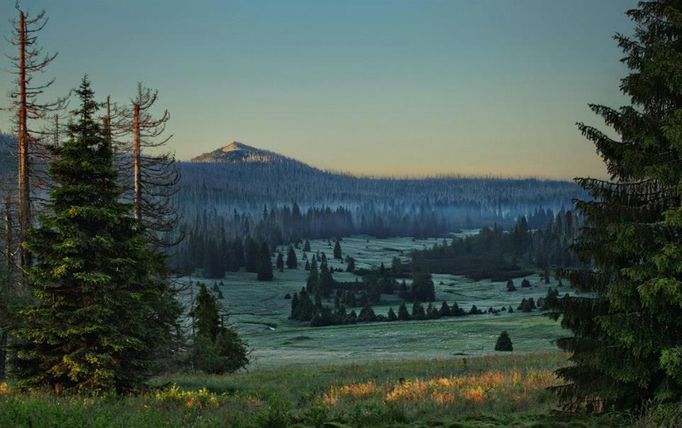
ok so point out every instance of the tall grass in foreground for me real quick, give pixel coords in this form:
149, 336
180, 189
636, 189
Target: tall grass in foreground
484, 391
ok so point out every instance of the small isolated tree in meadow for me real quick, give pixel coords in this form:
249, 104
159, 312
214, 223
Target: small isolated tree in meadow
504, 343
292, 261
510, 285
216, 348
264, 265
280, 262
337, 250
391, 316
306, 246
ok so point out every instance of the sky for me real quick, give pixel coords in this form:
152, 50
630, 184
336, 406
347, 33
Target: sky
371, 87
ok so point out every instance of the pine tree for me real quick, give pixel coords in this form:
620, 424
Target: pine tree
280, 262
206, 314
337, 250
418, 311
252, 255
624, 347
306, 246
391, 316
504, 343
102, 307
403, 315
264, 263
313, 282
292, 262
326, 280
217, 348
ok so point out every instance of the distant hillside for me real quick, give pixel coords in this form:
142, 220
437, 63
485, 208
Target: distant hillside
244, 178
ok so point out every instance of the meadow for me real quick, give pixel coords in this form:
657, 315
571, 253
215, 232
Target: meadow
260, 311
499, 390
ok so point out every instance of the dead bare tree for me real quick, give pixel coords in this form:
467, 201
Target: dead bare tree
155, 175
28, 111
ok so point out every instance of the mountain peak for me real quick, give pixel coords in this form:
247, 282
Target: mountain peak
236, 145
237, 152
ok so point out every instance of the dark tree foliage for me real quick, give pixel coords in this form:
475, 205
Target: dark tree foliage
367, 314
102, 307
403, 314
391, 316
418, 311
326, 283
423, 289
206, 314
217, 348
626, 347
504, 343
251, 255
264, 263
350, 264
280, 262
337, 250
292, 261
502, 255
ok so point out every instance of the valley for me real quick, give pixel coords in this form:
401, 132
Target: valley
260, 312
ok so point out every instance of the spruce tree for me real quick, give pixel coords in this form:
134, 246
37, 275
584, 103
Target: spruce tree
264, 263
216, 348
251, 255
326, 280
403, 314
292, 262
625, 346
504, 343
313, 282
280, 262
337, 250
102, 308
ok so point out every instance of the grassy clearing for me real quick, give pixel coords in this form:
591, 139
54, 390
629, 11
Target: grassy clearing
260, 313
504, 390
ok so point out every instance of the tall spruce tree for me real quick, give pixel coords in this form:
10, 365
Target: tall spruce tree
101, 307
292, 261
264, 263
626, 347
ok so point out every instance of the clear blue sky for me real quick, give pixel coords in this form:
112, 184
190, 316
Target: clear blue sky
390, 87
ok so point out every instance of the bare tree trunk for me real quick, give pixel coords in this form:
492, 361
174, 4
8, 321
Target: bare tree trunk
24, 185
56, 130
137, 171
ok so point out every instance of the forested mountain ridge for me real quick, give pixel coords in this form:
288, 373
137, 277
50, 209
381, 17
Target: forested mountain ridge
247, 179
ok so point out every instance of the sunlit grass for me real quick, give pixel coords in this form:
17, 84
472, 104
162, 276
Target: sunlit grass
496, 386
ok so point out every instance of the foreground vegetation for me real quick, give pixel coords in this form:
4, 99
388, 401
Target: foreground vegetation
494, 390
